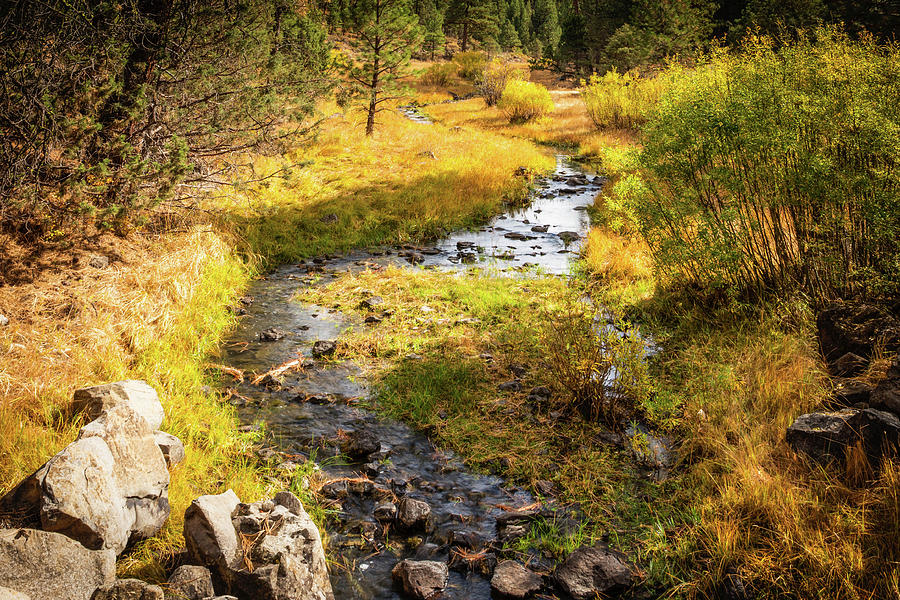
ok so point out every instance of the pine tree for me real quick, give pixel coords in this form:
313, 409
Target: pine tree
433, 24
545, 24
478, 19
387, 34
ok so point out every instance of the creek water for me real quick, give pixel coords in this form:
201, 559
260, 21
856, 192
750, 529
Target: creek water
312, 411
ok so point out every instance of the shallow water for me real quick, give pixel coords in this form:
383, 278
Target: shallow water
311, 411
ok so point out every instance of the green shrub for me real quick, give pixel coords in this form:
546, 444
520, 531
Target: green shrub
471, 64
777, 168
596, 369
622, 100
525, 101
439, 74
497, 73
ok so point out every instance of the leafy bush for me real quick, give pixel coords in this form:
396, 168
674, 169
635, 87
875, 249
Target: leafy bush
471, 64
777, 168
597, 369
525, 101
622, 100
496, 75
439, 74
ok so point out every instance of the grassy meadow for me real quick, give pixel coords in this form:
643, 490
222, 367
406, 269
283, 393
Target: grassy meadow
734, 371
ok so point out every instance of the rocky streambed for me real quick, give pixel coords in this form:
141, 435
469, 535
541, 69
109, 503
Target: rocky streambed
411, 519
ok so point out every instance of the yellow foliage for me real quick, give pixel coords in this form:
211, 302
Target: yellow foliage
621, 100
524, 101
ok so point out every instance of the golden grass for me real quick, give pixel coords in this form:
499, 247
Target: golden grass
152, 315
407, 182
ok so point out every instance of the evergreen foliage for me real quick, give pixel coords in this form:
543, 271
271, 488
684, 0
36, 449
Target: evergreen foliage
106, 108
387, 34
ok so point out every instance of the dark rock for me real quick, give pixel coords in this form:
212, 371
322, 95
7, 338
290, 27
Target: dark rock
373, 320
421, 580
516, 517
335, 490
413, 514
540, 228
128, 589
825, 436
733, 587
510, 386
858, 329
361, 442
850, 392
569, 236
323, 348
518, 370
190, 582
544, 487
513, 580
329, 218
886, 396
539, 394
591, 572
385, 513
849, 364
49, 565
271, 334
246, 300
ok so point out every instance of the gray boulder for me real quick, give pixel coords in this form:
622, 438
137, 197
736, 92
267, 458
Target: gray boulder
128, 589
42, 564
825, 436
92, 401
139, 470
420, 579
208, 533
413, 514
190, 582
171, 447
515, 581
591, 572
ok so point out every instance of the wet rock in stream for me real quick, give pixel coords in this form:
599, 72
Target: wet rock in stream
421, 580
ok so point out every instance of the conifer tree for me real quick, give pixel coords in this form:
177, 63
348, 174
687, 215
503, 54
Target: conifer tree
387, 33
478, 19
433, 26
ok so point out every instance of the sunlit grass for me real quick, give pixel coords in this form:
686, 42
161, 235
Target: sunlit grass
406, 183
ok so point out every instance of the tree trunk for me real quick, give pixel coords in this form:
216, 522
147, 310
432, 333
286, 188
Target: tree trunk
465, 36
373, 98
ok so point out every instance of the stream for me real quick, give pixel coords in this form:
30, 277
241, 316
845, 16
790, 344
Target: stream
312, 412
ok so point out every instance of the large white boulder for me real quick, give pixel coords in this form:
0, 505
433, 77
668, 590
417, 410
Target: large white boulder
137, 394
106, 489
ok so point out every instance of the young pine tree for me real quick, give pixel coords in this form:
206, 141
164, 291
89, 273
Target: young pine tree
388, 32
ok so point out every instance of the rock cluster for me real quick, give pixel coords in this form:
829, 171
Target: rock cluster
109, 488
867, 413
267, 550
